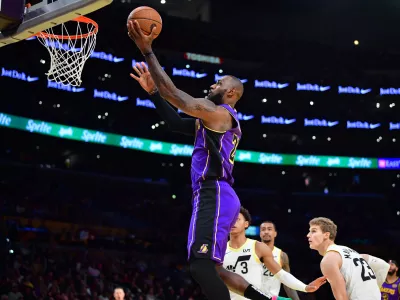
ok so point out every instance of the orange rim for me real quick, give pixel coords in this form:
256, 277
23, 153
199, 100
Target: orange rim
81, 19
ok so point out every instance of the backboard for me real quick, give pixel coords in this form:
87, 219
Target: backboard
41, 16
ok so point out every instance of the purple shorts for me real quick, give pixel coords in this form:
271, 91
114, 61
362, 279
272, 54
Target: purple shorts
215, 210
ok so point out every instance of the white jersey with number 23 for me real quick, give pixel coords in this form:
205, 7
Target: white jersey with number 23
360, 279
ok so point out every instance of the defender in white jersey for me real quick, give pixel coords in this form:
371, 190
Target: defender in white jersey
247, 257
270, 284
352, 276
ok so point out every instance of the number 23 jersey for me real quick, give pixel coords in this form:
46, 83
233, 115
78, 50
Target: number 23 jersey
360, 279
244, 262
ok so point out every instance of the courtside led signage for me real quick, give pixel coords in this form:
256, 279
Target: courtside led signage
106, 56
352, 90
109, 95
389, 91
17, 75
276, 120
389, 163
60, 86
187, 73
270, 84
394, 126
362, 125
243, 117
310, 87
319, 123
135, 143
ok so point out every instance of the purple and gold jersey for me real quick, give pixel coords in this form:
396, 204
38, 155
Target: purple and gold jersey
390, 291
214, 152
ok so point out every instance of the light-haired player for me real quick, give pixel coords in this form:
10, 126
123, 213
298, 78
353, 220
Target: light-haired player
247, 258
119, 293
352, 276
271, 283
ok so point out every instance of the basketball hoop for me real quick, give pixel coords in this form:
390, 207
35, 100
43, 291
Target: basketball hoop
68, 53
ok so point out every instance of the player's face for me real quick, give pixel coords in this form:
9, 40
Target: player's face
316, 237
217, 91
119, 294
393, 268
267, 232
240, 225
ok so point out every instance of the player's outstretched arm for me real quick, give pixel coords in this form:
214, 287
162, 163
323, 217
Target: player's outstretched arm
265, 255
330, 267
196, 107
285, 265
379, 266
169, 115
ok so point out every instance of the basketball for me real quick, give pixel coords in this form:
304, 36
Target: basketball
147, 18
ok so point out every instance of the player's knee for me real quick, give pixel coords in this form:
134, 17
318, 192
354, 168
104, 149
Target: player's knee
202, 269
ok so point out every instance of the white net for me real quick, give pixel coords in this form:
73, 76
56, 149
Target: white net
68, 53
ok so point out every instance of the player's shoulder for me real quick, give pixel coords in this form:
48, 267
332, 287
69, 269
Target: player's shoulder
331, 257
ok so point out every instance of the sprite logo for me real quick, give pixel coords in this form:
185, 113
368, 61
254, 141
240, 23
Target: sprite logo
307, 160
359, 163
275, 159
4, 119
40, 127
181, 150
95, 137
132, 143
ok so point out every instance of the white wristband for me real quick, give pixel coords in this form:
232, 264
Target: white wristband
290, 281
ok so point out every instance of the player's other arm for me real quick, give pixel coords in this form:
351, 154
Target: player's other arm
379, 266
285, 265
265, 255
169, 115
330, 267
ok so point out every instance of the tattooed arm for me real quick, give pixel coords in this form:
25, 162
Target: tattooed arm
214, 116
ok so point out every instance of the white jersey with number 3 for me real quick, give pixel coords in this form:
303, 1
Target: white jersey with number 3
360, 279
271, 284
244, 262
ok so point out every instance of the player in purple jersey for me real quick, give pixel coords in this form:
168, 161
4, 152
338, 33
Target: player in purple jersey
390, 289
217, 135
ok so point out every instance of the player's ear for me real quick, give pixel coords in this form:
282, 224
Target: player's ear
231, 92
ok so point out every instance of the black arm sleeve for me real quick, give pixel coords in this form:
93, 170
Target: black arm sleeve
171, 116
